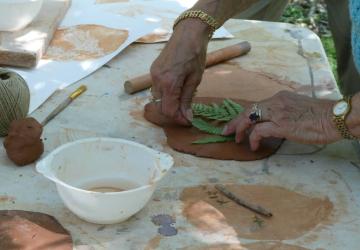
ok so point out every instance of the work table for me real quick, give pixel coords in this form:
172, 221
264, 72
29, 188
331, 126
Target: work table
282, 50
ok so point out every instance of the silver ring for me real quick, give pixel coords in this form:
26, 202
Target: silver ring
256, 114
153, 99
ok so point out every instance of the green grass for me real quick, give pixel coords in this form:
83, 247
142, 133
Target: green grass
328, 43
293, 14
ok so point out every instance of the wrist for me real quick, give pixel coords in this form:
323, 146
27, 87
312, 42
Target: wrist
193, 29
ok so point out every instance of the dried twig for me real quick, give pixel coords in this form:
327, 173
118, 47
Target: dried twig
255, 208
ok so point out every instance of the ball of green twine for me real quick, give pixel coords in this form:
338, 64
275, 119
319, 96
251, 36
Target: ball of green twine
14, 99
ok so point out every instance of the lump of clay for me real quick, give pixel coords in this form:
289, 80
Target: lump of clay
23, 144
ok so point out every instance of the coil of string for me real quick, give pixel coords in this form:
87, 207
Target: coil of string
14, 99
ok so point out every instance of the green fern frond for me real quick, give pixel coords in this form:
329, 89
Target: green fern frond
212, 112
206, 127
214, 139
225, 112
230, 109
236, 106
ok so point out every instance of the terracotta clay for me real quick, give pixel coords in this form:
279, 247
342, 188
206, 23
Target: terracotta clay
23, 144
180, 138
294, 214
24, 230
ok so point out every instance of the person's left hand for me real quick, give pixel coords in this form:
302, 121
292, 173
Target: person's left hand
290, 116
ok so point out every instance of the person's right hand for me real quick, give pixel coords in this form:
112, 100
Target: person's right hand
178, 70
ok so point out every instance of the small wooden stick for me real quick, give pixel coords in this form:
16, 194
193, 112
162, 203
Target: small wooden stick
255, 208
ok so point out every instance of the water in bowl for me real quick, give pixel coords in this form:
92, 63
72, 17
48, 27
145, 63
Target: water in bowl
109, 185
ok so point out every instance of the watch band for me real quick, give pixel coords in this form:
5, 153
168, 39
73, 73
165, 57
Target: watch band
206, 18
341, 125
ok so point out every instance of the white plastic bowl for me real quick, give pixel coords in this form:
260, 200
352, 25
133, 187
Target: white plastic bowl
17, 14
105, 163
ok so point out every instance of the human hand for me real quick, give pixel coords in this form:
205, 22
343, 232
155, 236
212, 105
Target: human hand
290, 116
178, 70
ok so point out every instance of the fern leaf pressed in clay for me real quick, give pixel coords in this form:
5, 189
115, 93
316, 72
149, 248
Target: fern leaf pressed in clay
225, 112
236, 106
214, 139
206, 127
231, 110
212, 112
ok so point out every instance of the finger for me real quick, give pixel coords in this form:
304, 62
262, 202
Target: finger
263, 130
180, 119
156, 87
230, 127
187, 95
242, 120
241, 129
155, 92
265, 108
170, 100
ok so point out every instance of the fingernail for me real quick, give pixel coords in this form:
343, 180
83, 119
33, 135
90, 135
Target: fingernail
225, 130
189, 115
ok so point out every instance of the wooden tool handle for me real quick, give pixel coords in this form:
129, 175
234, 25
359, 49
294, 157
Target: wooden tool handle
64, 104
143, 82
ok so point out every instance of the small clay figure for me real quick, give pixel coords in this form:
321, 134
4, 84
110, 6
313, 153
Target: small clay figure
23, 144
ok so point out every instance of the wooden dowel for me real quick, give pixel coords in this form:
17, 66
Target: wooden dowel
227, 53
144, 82
138, 84
255, 208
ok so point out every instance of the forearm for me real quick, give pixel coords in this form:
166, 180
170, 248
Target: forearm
353, 119
222, 10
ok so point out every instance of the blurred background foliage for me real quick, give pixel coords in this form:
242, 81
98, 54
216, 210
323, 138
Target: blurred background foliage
313, 15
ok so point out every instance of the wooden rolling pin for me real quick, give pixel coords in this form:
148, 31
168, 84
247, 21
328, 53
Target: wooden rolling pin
144, 82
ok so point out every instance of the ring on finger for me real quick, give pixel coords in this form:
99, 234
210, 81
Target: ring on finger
256, 114
153, 98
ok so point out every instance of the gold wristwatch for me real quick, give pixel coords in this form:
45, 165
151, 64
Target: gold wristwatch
341, 110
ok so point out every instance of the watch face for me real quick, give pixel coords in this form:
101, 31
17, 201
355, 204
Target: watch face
340, 108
